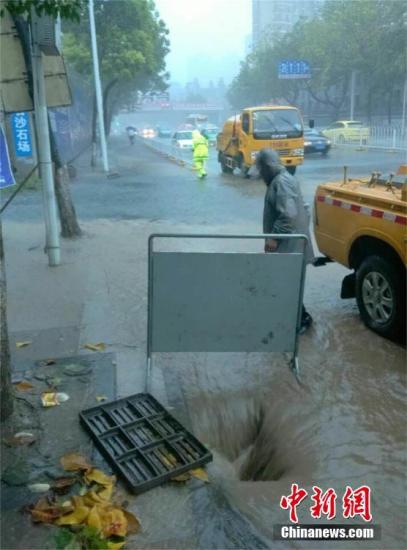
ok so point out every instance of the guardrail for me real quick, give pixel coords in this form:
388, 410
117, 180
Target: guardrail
181, 156
380, 137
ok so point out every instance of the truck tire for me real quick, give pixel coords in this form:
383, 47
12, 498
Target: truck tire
291, 169
224, 167
381, 297
245, 171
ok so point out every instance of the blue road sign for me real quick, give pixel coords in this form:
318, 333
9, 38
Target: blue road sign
6, 174
294, 68
20, 125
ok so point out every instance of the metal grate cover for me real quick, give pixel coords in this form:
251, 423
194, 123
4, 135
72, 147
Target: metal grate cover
142, 442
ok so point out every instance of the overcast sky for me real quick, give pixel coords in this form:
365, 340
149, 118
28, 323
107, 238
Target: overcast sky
208, 37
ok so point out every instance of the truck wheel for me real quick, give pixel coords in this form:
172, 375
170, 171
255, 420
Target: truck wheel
291, 169
380, 295
245, 171
224, 167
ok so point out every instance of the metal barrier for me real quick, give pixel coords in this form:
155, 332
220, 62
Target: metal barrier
224, 301
169, 150
379, 137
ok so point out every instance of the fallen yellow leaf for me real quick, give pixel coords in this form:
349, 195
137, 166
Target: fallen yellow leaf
201, 474
114, 522
115, 545
182, 477
106, 492
43, 512
23, 344
91, 498
24, 386
100, 398
94, 519
133, 524
99, 477
100, 346
72, 462
76, 517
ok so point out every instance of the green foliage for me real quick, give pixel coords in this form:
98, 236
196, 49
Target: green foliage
367, 36
132, 43
83, 538
66, 9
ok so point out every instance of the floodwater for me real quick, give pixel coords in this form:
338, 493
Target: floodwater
344, 426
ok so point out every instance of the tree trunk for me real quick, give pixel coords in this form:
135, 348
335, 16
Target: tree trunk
94, 145
67, 215
107, 112
389, 105
69, 223
6, 390
369, 105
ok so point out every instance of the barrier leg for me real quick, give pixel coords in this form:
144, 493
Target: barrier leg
147, 383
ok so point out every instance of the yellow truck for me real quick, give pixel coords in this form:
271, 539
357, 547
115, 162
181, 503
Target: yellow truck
362, 224
244, 135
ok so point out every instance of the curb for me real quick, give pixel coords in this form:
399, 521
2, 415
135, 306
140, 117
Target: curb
167, 156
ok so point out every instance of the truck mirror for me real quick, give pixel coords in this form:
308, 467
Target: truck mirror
311, 123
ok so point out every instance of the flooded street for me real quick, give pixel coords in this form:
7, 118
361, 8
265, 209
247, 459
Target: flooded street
344, 426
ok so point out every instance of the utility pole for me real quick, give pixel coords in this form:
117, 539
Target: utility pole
404, 110
352, 95
44, 152
98, 89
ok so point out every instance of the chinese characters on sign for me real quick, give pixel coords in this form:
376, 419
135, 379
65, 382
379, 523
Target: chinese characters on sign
20, 124
294, 68
354, 502
6, 174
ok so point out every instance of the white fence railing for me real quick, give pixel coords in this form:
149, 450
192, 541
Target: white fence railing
168, 149
379, 137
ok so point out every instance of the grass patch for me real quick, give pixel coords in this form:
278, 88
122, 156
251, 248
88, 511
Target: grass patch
34, 183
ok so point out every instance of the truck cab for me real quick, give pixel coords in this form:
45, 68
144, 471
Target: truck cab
361, 224
268, 126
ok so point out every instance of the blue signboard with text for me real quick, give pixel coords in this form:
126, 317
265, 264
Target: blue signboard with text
20, 125
294, 68
6, 174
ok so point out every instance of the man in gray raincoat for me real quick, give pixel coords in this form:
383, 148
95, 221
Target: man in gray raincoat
284, 211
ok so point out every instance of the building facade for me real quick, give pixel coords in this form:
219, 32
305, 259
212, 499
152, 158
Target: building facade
271, 18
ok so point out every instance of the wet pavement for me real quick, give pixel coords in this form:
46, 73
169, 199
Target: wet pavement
344, 426
173, 194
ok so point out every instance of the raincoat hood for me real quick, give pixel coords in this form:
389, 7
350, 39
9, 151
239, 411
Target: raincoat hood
269, 164
196, 134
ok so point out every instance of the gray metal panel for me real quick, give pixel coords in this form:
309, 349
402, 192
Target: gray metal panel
225, 302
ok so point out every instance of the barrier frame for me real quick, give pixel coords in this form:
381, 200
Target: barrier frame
294, 363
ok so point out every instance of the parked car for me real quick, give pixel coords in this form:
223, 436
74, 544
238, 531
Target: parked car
163, 132
182, 139
211, 133
342, 131
315, 142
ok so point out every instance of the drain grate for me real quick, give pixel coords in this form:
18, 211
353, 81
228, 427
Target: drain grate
142, 441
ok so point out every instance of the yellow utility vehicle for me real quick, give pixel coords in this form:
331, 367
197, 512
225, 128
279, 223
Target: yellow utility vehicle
362, 224
244, 135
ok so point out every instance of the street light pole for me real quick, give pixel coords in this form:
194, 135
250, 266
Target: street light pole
52, 245
404, 110
352, 95
98, 89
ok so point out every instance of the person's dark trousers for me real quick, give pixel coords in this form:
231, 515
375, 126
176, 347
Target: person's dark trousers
306, 320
